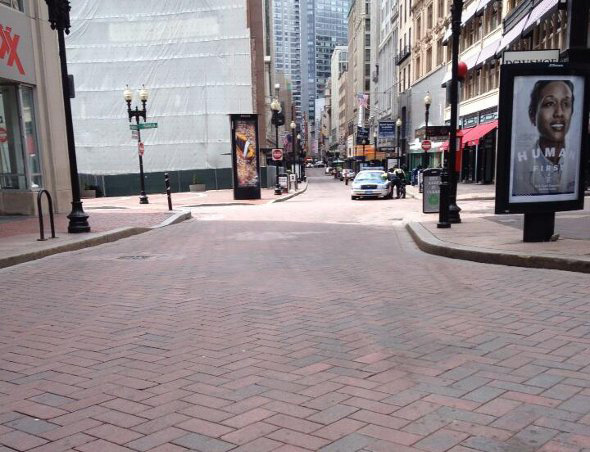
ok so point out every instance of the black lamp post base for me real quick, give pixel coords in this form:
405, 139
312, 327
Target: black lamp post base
143, 199
78, 219
454, 216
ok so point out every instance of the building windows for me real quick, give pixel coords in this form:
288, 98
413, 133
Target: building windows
19, 153
429, 18
428, 60
16, 4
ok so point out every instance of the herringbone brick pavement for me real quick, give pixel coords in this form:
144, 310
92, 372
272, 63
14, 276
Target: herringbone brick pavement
265, 328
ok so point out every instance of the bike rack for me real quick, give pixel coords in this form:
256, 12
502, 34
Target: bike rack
40, 210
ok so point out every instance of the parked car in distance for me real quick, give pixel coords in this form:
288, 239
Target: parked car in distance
371, 184
347, 173
319, 164
309, 165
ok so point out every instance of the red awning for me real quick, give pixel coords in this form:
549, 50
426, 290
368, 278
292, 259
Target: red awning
472, 136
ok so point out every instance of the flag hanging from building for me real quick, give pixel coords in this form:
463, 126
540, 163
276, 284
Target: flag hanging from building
363, 100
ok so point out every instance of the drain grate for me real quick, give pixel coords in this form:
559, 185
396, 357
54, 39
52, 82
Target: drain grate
133, 258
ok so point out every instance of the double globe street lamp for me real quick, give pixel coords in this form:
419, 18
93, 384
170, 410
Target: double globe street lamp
137, 113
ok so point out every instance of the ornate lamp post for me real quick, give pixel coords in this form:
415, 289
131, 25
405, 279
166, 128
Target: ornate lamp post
59, 18
398, 123
427, 102
275, 107
449, 210
137, 113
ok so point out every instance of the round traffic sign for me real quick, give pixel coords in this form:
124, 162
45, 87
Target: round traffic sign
277, 154
426, 145
3, 135
141, 148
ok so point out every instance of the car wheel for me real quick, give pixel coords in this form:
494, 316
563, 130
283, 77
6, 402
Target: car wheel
353, 198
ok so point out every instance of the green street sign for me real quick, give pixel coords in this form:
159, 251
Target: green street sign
144, 125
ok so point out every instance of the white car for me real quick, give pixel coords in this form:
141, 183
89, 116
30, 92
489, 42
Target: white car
371, 184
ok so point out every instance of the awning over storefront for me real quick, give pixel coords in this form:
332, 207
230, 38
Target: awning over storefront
469, 12
539, 13
487, 52
481, 6
447, 35
472, 136
513, 34
470, 62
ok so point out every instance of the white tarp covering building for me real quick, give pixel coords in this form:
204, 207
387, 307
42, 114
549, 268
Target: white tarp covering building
194, 57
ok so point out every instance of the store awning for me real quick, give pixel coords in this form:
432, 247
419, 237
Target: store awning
481, 6
513, 34
447, 36
487, 52
469, 12
472, 136
539, 13
470, 62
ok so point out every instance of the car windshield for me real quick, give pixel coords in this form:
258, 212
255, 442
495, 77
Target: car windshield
372, 176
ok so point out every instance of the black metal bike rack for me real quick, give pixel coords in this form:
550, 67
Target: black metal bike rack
40, 210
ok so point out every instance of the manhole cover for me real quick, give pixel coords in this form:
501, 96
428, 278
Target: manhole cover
134, 258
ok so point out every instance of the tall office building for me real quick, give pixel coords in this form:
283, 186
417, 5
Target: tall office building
287, 45
324, 25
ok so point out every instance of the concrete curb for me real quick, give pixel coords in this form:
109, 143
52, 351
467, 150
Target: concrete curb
177, 217
292, 195
428, 243
99, 239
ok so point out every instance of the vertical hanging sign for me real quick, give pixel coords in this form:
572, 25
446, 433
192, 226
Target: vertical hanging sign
245, 156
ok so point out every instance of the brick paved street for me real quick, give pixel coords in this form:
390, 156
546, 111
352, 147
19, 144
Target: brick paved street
311, 324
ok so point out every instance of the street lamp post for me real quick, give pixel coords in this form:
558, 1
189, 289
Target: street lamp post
275, 107
375, 143
137, 113
303, 179
59, 17
398, 123
454, 209
427, 102
294, 145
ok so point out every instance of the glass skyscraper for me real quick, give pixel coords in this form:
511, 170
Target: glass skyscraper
305, 35
323, 27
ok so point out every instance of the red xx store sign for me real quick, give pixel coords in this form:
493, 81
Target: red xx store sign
16, 47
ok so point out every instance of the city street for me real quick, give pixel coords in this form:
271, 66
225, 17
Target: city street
310, 324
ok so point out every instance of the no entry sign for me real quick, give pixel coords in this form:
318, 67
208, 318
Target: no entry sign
426, 145
277, 154
140, 148
3, 135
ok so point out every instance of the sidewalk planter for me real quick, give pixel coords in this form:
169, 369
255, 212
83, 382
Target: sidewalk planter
88, 194
197, 187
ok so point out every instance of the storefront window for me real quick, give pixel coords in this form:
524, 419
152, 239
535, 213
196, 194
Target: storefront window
12, 166
30, 132
18, 140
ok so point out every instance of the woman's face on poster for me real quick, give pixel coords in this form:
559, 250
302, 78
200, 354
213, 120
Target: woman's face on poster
554, 112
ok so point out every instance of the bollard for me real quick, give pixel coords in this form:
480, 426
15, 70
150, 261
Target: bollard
346, 180
168, 193
443, 212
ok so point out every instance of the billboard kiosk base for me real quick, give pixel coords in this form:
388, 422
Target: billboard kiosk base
538, 227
